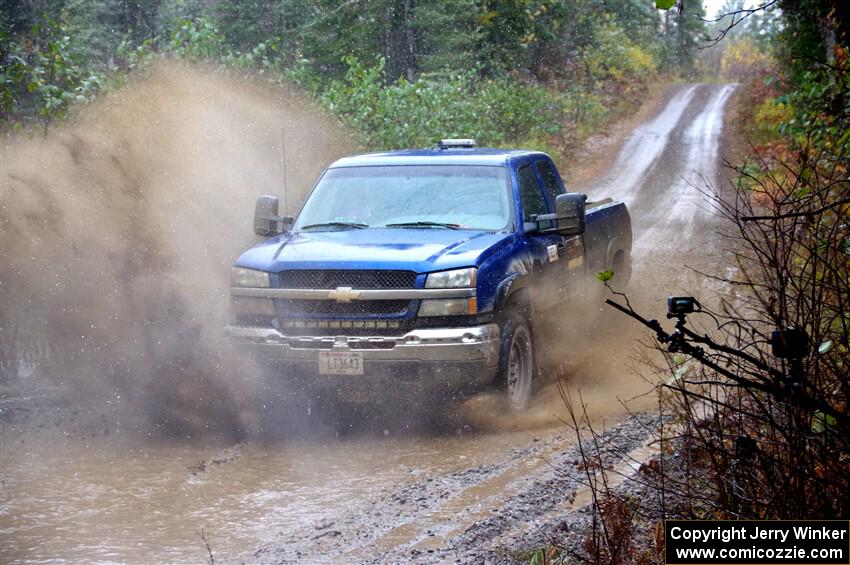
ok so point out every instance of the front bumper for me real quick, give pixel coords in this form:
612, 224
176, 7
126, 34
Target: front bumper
443, 360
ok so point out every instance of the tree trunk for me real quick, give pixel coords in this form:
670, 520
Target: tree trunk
401, 41
680, 18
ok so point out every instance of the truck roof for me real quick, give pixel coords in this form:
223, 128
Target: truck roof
435, 156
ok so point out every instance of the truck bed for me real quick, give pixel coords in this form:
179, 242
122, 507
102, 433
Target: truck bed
609, 227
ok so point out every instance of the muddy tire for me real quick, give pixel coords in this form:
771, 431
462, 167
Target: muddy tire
516, 360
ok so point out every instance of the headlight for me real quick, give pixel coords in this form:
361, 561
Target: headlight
449, 307
458, 278
249, 278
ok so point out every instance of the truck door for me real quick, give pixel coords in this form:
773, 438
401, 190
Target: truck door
546, 248
571, 248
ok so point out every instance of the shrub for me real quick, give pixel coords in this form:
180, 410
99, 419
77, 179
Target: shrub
743, 61
768, 118
615, 57
499, 111
43, 79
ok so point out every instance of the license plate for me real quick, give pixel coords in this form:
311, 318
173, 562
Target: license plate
340, 363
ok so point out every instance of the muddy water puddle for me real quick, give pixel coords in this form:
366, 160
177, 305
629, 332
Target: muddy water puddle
110, 502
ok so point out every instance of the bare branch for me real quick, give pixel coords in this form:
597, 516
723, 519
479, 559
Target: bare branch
737, 16
807, 213
203, 535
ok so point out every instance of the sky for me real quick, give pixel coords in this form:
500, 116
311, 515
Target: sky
712, 7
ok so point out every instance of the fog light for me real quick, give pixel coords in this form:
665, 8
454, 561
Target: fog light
448, 307
251, 306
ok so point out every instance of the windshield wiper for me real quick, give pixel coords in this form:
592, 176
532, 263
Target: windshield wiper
335, 225
424, 225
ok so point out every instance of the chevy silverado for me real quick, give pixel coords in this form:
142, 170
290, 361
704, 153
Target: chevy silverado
422, 272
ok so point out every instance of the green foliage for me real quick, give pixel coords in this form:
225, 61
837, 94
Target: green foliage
822, 119
605, 276
614, 56
744, 60
43, 79
537, 72
497, 111
196, 39
301, 74
811, 30
99, 26
449, 36
769, 117
545, 555
683, 34
133, 56
245, 24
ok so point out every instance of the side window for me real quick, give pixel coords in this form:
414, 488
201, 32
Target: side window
530, 193
550, 180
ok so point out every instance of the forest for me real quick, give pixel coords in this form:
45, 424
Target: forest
750, 433
400, 73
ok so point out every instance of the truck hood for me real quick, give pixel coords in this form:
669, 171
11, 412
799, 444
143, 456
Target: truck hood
420, 250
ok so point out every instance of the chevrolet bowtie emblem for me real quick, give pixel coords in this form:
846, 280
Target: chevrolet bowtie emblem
343, 294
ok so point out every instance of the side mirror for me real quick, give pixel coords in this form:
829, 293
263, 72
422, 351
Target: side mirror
569, 213
568, 216
266, 218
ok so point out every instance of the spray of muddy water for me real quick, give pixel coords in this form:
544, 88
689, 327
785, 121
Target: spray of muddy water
590, 357
118, 232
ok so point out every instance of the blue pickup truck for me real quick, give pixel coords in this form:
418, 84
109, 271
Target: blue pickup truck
425, 272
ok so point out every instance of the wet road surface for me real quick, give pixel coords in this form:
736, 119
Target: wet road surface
395, 497
111, 500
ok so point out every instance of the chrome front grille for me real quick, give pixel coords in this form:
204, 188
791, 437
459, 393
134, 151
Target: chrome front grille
358, 308
355, 279
327, 316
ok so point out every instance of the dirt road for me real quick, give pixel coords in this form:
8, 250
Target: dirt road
480, 487
659, 173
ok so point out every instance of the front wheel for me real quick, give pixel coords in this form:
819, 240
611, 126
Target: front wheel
516, 362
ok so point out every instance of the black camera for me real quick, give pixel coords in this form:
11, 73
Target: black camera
790, 343
681, 305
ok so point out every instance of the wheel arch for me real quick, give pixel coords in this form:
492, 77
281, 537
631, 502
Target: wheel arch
513, 290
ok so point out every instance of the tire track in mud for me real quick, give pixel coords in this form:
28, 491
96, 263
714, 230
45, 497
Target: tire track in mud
531, 509
638, 157
673, 204
435, 520
359, 531
673, 222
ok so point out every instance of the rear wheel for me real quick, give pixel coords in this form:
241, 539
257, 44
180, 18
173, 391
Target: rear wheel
516, 361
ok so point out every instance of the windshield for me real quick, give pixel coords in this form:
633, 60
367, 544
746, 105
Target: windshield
416, 196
